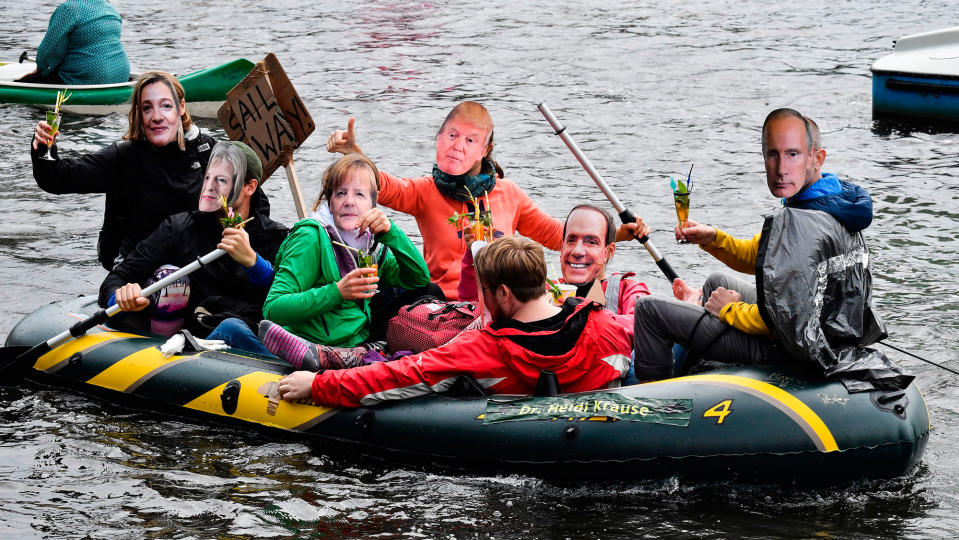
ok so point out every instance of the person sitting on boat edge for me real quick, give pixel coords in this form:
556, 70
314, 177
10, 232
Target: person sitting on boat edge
579, 341
464, 146
82, 46
321, 311
813, 286
229, 287
589, 243
155, 172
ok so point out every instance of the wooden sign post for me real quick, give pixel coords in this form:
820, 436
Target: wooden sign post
265, 112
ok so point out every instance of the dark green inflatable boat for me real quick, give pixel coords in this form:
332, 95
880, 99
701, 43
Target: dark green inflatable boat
744, 423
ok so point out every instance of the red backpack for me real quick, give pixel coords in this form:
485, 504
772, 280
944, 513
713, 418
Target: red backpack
428, 323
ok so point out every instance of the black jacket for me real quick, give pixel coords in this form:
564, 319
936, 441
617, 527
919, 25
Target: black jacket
222, 285
143, 185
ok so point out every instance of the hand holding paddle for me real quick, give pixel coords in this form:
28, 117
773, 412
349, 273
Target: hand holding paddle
130, 298
632, 231
101, 316
344, 142
625, 214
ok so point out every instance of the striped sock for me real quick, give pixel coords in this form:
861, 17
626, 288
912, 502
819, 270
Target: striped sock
298, 352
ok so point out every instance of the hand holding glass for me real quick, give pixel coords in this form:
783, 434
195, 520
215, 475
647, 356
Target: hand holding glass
53, 119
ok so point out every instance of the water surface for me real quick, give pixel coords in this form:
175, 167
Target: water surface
645, 88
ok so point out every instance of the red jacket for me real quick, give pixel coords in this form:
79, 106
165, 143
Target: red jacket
629, 291
499, 358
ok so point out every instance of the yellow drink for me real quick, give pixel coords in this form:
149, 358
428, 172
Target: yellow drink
54, 120
681, 200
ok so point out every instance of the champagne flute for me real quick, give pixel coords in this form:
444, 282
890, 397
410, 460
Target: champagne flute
53, 119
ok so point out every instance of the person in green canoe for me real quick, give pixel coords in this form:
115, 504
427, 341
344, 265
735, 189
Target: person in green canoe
82, 46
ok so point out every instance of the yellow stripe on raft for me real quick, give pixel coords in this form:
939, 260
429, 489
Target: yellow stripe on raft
827, 443
124, 373
252, 405
79, 344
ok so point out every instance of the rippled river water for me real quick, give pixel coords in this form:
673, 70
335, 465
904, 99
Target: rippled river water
646, 88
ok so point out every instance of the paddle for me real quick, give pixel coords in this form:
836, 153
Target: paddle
24, 56
99, 317
625, 214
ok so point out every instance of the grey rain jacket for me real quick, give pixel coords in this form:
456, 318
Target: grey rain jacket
815, 289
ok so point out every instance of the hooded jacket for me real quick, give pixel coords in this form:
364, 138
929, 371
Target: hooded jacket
847, 203
222, 286
815, 288
587, 349
305, 299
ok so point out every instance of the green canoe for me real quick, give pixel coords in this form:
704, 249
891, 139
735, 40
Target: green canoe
205, 90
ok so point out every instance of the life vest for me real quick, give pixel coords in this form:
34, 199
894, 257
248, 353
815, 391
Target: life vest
614, 290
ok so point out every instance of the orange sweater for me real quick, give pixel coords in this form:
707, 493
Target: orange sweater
443, 248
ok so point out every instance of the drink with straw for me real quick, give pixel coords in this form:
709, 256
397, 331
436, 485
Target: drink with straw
53, 120
365, 260
681, 193
681, 200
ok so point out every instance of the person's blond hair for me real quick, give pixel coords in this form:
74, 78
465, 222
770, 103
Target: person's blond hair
335, 175
518, 263
135, 129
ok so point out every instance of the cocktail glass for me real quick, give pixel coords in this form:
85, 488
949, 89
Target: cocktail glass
681, 200
479, 231
565, 291
54, 120
365, 260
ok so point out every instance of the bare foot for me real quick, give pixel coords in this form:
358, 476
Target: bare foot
687, 294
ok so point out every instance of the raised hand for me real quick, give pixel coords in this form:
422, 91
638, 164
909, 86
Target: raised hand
344, 142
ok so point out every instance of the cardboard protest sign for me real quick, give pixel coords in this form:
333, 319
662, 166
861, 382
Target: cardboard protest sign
265, 111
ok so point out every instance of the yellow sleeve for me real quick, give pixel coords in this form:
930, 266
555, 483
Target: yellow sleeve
745, 318
738, 254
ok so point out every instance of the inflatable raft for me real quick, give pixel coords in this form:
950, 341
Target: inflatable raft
745, 423
920, 79
205, 90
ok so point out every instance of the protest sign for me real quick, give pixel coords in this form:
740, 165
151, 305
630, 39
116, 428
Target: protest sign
265, 111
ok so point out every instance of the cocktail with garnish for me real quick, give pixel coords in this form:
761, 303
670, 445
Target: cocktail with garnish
53, 120
681, 193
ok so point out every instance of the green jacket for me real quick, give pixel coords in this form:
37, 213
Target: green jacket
304, 297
